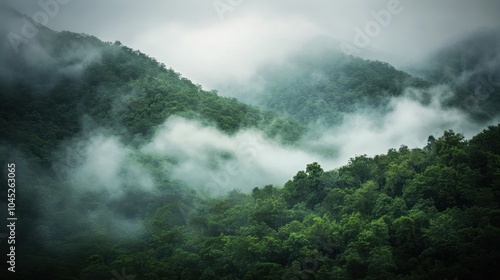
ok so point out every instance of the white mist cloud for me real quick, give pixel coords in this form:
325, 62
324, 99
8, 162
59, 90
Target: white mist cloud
217, 163
218, 52
105, 169
100, 171
107, 166
102, 175
409, 122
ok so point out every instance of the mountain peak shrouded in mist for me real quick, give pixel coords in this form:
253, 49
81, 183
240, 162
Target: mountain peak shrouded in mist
321, 84
344, 166
37, 55
463, 57
471, 66
325, 85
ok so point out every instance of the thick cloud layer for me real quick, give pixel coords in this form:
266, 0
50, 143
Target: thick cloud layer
211, 42
107, 166
216, 163
409, 122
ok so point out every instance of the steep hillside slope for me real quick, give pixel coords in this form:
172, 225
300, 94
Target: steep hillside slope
51, 83
325, 84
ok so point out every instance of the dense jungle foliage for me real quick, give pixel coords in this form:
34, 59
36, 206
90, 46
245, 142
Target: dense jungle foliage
429, 213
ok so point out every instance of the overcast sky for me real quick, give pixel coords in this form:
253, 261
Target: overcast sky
212, 42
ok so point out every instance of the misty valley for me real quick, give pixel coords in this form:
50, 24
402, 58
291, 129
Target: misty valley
325, 165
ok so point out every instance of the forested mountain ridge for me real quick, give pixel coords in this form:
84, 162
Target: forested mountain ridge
325, 84
58, 78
